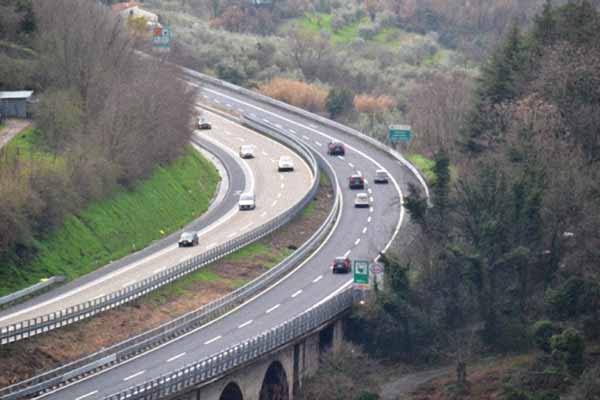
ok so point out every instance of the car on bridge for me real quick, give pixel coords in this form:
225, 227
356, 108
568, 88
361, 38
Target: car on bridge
341, 264
247, 151
203, 123
285, 163
189, 239
247, 201
356, 182
361, 200
336, 149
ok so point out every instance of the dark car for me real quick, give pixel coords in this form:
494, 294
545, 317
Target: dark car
188, 239
336, 149
356, 182
341, 264
381, 176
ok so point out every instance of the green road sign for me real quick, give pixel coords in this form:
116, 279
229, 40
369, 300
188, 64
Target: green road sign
161, 38
400, 133
361, 272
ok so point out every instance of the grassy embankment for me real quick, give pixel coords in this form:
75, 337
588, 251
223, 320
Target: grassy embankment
125, 222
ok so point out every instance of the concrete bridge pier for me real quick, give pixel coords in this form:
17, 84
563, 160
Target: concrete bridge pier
277, 376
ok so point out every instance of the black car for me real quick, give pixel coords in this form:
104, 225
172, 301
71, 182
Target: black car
336, 149
188, 239
341, 264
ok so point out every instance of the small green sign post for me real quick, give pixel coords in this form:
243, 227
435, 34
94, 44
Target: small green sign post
360, 270
161, 39
400, 133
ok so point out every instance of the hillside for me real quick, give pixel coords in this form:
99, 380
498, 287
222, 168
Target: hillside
125, 221
105, 121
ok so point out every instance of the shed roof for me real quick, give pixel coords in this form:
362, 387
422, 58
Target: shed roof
23, 94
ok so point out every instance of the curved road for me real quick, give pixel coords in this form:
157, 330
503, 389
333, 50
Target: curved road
359, 233
275, 193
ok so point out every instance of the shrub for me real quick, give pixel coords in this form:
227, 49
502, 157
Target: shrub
308, 96
571, 345
367, 31
339, 100
541, 332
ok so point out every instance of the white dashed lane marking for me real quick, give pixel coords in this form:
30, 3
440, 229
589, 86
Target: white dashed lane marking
213, 339
364, 230
245, 324
176, 357
305, 137
86, 395
356, 242
297, 293
275, 307
346, 254
134, 375
319, 144
318, 278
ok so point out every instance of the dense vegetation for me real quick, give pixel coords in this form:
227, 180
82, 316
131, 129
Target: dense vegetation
125, 221
104, 118
509, 258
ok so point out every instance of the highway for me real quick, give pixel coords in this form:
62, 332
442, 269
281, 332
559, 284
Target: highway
275, 193
358, 234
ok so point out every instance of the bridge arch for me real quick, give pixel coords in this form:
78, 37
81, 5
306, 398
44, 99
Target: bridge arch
275, 383
232, 392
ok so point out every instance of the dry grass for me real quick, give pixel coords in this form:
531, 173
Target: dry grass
305, 95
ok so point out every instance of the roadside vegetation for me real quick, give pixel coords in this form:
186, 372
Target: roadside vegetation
506, 260
104, 120
127, 220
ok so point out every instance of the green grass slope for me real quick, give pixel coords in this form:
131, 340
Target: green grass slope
127, 221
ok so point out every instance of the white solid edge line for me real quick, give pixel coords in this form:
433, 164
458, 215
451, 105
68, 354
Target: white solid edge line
176, 357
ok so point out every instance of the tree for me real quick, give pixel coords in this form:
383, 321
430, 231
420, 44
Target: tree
338, 101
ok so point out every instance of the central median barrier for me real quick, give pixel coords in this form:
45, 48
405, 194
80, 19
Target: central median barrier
120, 352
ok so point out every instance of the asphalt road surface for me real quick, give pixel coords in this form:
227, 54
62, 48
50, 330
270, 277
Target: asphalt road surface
359, 234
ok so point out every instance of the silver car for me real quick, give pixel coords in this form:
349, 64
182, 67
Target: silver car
381, 176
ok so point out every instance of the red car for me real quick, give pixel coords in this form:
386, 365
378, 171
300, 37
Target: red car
356, 182
336, 149
341, 264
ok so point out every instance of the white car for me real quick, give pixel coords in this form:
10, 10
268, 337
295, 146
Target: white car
361, 200
285, 163
203, 123
247, 201
247, 151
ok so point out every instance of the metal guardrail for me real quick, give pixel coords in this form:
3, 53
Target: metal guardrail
308, 115
9, 298
133, 346
45, 323
215, 366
